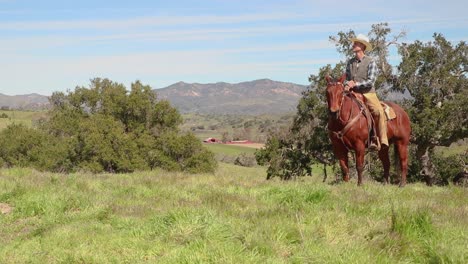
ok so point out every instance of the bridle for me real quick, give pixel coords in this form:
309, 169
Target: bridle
347, 124
343, 95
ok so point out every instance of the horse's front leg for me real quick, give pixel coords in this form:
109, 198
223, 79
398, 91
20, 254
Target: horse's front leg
342, 154
344, 167
360, 153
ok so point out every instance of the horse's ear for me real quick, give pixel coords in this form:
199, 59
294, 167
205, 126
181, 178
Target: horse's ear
328, 78
342, 78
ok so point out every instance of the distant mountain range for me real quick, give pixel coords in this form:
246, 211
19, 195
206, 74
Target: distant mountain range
246, 98
256, 97
26, 102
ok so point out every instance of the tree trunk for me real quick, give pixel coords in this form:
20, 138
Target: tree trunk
423, 154
325, 176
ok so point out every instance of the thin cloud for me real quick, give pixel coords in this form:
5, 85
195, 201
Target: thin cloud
138, 22
20, 44
161, 21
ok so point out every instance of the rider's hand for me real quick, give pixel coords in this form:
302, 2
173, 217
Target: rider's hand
350, 84
346, 88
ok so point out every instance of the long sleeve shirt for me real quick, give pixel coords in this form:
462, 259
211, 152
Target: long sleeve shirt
366, 84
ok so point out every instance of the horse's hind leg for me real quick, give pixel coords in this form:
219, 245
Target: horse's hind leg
402, 149
383, 156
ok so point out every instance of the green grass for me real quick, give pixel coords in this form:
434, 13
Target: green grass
19, 117
454, 149
229, 150
232, 216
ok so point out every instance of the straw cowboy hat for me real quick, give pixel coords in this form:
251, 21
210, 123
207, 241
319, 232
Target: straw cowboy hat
364, 40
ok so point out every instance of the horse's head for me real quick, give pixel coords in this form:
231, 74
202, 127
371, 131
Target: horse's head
335, 92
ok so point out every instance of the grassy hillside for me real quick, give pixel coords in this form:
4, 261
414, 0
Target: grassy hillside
19, 117
233, 216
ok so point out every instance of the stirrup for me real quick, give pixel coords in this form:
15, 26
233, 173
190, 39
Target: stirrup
374, 144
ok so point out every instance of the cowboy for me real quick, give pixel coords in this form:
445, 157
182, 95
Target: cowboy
361, 73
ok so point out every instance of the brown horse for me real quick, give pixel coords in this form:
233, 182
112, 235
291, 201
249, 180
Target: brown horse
348, 130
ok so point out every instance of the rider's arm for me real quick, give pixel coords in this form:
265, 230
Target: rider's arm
368, 83
348, 73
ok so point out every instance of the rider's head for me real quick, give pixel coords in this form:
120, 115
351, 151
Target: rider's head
361, 43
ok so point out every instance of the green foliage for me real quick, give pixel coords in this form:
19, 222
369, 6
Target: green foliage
184, 152
284, 158
101, 144
22, 146
447, 167
105, 128
434, 73
3, 115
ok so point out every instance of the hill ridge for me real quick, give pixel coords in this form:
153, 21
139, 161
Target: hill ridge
262, 96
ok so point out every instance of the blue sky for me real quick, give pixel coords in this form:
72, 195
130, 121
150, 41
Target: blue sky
48, 46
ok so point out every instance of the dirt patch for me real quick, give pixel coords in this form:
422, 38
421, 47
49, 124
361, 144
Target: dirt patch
5, 208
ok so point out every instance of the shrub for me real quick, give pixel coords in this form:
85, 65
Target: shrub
447, 167
186, 153
245, 160
22, 146
104, 128
103, 145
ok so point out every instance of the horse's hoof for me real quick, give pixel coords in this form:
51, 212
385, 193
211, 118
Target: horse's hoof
401, 185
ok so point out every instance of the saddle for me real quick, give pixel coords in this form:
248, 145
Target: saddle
388, 110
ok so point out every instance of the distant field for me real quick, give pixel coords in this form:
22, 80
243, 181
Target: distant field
19, 117
456, 148
232, 216
250, 145
232, 150
202, 135
254, 128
